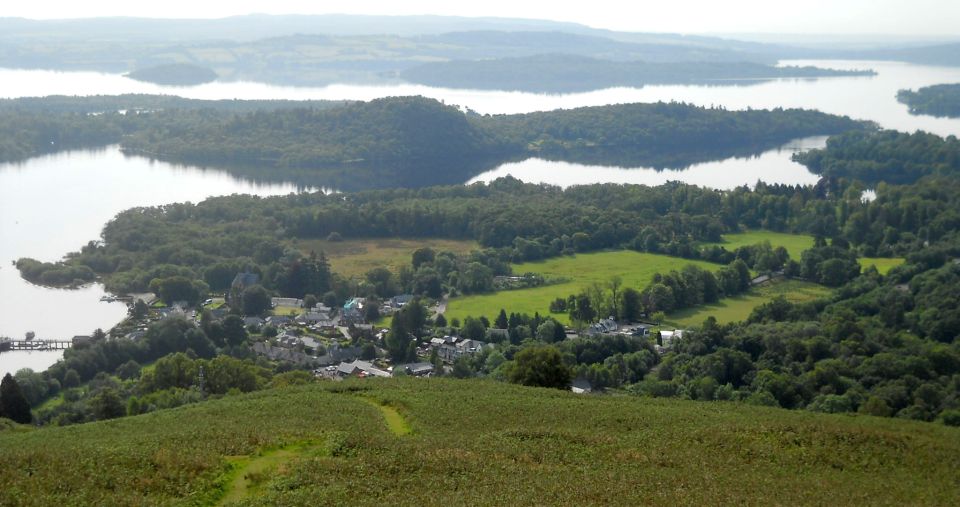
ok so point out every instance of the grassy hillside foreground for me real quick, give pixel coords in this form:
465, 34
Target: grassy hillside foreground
476, 442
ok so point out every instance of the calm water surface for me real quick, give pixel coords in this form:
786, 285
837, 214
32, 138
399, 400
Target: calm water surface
772, 166
54, 204
866, 97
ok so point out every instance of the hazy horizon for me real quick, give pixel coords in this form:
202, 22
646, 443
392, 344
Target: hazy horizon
918, 19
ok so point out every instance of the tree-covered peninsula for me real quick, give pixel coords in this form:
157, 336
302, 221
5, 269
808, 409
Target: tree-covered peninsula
884, 156
938, 100
402, 141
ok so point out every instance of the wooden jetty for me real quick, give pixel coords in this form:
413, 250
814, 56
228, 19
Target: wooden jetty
9, 344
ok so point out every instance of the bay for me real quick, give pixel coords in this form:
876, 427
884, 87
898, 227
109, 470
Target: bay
55, 204
861, 97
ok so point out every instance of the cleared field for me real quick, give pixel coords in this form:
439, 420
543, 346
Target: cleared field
794, 243
635, 268
287, 310
735, 309
354, 257
479, 443
884, 265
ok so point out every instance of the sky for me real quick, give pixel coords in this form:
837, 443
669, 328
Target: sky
897, 17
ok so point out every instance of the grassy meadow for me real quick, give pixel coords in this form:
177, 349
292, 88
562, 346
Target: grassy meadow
737, 308
794, 243
479, 443
354, 257
635, 268
883, 265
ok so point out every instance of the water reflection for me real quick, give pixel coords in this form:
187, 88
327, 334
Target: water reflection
773, 166
54, 204
864, 97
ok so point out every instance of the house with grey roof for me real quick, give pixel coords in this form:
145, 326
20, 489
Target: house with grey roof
581, 386
605, 326
415, 369
282, 354
398, 302
253, 322
360, 369
278, 320
452, 348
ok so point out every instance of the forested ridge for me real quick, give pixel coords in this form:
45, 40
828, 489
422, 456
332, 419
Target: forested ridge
938, 100
418, 134
406, 141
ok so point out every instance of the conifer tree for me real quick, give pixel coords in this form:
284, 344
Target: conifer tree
13, 404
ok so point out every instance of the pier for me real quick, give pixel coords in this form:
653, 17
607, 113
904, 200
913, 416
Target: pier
9, 344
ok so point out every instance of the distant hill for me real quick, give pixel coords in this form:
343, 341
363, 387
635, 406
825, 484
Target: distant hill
260, 26
652, 48
450, 442
174, 74
558, 73
942, 54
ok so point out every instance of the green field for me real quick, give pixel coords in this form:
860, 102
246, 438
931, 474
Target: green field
737, 308
354, 257
635, 268
794, 243
884, 265
287, 310
479, 443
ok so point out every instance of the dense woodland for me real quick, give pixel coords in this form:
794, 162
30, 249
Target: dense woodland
938, 100
396, 142
564, 73
884, 156
40, 125
882, 345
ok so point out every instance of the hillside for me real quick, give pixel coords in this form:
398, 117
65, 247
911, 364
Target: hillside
319, 50
568, 73
335, 444
423, 141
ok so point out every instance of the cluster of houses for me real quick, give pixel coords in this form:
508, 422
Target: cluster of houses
664, 343
366, 369
611, 326
451, 348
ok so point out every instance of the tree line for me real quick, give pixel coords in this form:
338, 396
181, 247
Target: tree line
885, 156
397, 141
937, 100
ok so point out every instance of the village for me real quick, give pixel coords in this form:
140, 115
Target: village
339, 342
